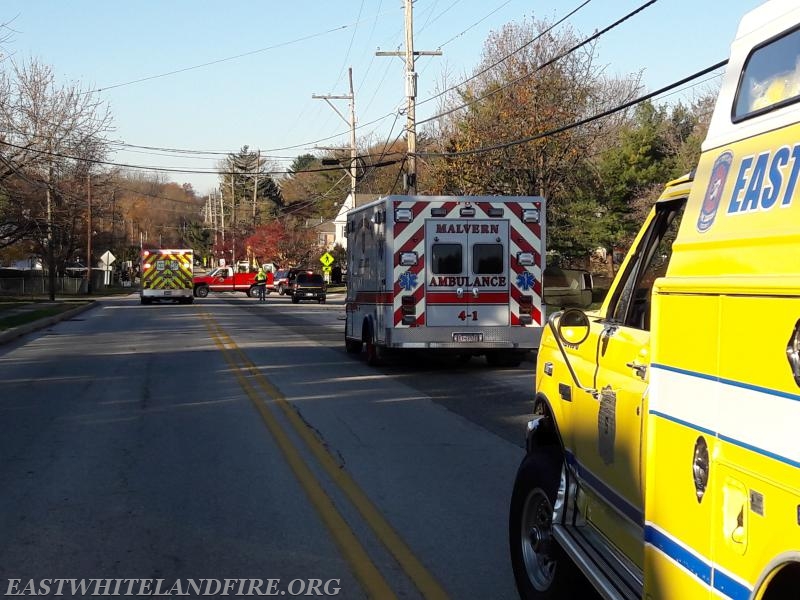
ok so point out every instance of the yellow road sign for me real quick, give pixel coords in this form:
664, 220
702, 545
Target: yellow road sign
326, 259
326, 269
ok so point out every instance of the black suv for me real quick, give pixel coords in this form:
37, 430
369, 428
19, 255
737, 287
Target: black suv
307, 286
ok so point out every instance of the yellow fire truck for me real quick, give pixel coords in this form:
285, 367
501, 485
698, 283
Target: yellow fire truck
663, 458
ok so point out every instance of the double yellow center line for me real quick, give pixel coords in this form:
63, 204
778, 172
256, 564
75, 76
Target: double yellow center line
251, 379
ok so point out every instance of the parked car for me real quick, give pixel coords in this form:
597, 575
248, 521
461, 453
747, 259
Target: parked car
283, 280
308, 286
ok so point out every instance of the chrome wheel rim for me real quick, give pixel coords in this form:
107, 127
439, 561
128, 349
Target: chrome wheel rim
537, 524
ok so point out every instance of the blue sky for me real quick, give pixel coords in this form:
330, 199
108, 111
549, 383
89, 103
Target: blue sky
287, 51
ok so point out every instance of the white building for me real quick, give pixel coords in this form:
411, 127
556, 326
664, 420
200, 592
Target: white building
340, 222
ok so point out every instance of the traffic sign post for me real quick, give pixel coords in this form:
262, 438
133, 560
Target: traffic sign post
326, 260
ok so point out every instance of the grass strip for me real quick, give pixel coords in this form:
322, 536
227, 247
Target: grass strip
33, 315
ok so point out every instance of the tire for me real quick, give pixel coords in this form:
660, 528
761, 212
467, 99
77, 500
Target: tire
281, 289
541, 568
201, 291
353, 346
295, 299
374, 355
504, 358
145, 300
252, 292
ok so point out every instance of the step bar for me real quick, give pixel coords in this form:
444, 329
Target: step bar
613, 576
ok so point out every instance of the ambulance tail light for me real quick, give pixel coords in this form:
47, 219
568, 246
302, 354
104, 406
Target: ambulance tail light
525, 310
148, 266
403, 215
530, 215
408, 259
525, 259
409, 309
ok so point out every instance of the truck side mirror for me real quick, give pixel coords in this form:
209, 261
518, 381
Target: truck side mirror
573, 327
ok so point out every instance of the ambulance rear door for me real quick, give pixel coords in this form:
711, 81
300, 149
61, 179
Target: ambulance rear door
467, 266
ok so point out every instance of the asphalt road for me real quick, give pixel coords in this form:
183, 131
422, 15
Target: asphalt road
237, 439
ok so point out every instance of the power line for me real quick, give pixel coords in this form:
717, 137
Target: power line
496, 90
165, 169
507, 56
226, 59
564, 128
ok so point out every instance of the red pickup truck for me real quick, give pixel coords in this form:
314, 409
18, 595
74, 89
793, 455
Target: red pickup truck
224, 279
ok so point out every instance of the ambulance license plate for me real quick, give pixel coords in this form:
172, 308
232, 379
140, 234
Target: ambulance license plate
467, 338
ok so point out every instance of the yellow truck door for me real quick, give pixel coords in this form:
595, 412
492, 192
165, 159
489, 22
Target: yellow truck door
609, 426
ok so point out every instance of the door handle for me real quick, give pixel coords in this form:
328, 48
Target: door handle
639, 369
460, 292
474, 292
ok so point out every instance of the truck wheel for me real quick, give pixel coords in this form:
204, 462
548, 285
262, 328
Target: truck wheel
374, 354
201, 291
504, 358
281, 290
353, 346
252, 292
541, 568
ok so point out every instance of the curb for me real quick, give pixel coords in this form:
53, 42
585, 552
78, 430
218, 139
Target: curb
16, 332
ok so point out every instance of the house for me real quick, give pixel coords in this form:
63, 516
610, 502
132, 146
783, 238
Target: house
340, 222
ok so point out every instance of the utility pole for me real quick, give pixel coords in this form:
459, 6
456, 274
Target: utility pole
353, 156
411, 94
89, 234
222, 214
233, 223
255, 188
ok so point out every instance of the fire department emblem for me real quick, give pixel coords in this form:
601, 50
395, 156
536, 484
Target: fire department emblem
408, 281
719, 173
525, 281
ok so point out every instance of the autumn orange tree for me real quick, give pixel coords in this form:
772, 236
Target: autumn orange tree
530, 82
285, 242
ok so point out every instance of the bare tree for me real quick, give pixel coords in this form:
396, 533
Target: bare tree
52, 137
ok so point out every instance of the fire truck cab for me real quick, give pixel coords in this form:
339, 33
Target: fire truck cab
662, 457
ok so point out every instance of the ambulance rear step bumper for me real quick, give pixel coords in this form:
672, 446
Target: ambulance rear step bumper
610, 574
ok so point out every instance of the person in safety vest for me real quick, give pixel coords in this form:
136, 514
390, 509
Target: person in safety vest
261, 282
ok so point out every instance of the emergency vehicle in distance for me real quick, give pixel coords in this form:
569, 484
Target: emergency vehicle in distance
225, 278
663, 457
454, 274
166, 275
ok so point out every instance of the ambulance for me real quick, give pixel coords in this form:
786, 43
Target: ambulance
455, 274
166, 274
663, 456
